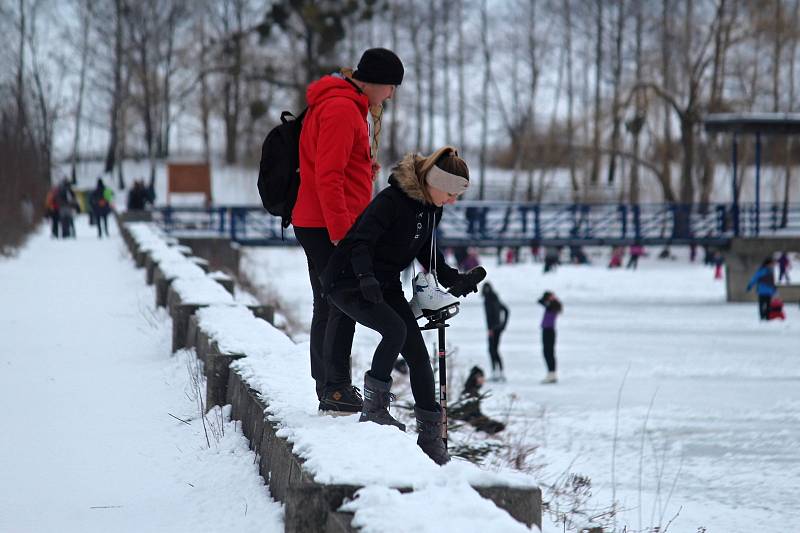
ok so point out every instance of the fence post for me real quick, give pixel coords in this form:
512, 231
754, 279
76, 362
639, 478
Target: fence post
537, 226
623, 218
637, 222
721, 219
774, 217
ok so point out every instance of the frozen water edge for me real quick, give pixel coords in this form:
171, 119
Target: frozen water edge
725, 388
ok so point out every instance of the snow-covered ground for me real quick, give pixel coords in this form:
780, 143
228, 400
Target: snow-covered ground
677, 405
92, 439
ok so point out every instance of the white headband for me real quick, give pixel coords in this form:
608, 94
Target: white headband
444, 181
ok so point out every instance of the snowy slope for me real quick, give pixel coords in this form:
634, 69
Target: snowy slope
89, 389
707, 425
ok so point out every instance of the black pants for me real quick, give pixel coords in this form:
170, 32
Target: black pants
494, 343
633, 262
763, 306
549, 348
331, 330
393, 319
101, 218
54, 224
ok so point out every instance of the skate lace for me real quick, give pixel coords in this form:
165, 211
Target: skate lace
432, 258
357, 393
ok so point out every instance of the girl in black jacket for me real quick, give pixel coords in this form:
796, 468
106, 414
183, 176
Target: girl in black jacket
496, 320
363, 279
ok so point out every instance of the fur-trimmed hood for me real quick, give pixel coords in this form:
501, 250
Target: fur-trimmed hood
404, 176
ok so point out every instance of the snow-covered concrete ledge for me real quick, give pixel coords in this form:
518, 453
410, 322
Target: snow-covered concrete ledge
182, 284
318, 465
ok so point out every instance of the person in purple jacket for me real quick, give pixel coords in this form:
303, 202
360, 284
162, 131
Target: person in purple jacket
552, 308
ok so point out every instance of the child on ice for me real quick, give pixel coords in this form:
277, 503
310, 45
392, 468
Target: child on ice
552, 308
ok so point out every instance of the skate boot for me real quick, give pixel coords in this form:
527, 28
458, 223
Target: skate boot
430, 300
376, 403
550, 378
341, 400
429, 427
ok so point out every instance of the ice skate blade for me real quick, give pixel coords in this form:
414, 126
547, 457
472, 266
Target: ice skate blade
440, 315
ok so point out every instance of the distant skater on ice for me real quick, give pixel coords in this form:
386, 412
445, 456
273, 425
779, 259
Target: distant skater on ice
496, 321
552, 308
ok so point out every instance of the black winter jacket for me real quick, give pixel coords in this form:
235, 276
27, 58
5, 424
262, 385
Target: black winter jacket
496, 311
394, 229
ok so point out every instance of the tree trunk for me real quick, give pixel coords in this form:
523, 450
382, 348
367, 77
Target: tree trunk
487, 58
615, 106
787, 179
81, 84
533, 85
166, 104
111, 152
232, 87
636, 129
594, 172
415, 41
687, 166
570, 101
205, 106
393, 151
777, 52
462, 97
20, 89
446, 7
432, 75
715, 99
666, 72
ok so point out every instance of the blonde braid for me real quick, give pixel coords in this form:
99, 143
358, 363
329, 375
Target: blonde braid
375, 111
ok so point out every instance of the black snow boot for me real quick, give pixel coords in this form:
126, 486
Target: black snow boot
341, 400
429, 426
376, 403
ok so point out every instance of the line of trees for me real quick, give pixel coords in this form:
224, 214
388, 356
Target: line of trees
610, 93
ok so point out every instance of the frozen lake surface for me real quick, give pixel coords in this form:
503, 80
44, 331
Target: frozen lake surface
708, 423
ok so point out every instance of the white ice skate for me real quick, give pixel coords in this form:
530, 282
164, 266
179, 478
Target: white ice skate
430, 300
551, 377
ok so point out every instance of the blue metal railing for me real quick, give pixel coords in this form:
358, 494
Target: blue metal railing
515, 223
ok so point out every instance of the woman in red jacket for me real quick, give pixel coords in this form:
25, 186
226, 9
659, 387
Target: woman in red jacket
336, 175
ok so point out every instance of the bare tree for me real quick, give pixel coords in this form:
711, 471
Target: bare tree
594, 172
118, 61
573, 175
487, 75
636, 123
460, 63
617, 75
688, 106
794, 35
85, 7
432, 56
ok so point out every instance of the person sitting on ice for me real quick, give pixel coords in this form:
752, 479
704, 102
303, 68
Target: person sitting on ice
468, 407
363, 280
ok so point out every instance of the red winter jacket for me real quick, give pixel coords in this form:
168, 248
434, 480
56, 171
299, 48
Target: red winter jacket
335, 164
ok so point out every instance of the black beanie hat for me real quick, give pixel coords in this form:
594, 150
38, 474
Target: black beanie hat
379, 65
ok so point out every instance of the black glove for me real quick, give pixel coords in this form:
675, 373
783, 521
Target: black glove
468, 282
371, 289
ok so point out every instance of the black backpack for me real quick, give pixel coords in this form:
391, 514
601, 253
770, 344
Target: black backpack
279, 171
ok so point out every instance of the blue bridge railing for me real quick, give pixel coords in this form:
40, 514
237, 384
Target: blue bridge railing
470, 223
